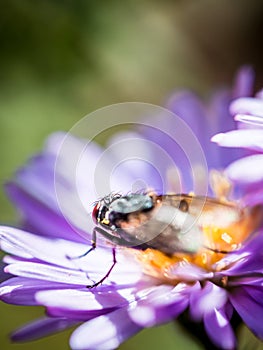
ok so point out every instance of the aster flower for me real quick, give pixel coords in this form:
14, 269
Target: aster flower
145, 288
125, 303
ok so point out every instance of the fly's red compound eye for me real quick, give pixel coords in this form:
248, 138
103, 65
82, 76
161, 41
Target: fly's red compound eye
95, 213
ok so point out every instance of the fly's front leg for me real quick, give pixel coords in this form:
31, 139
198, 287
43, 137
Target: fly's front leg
93, 247
114, 261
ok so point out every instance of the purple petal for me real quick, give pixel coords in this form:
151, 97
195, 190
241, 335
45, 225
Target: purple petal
78, 315
61, 187
40, 217
34, 192
250, 310
12, 259
250, 265
247, 171
21, 291
85, 304
104, 332
247, 105
49, 273
247, 261
252, 139
206, 122
255, 292
246, 266
28, 245
252, 121
187, 106
41, 328
147, 316
36, 176
253, 246
244, 82
245, 281
175, 134
75, 200
219, 120
139, 159
94, 172
73, 170
54, 141
86, 299
159, 304
91, 303
253, 197
219, 329
206, 299
164, 295
188, 272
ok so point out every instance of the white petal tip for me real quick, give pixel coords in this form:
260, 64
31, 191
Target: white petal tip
217, 138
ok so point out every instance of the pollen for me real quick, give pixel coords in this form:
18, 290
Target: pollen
225, 237
158, 265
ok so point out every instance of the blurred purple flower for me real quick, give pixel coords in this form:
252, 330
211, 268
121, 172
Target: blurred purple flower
205, 120
129, 299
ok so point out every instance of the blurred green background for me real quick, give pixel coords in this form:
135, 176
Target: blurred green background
63, 59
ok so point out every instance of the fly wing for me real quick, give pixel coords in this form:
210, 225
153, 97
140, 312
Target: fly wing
207, 211
166, 228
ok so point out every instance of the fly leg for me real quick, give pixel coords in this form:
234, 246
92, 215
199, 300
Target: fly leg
114, 261
219, 250
93, 247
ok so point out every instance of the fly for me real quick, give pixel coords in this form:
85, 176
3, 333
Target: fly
172, 224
